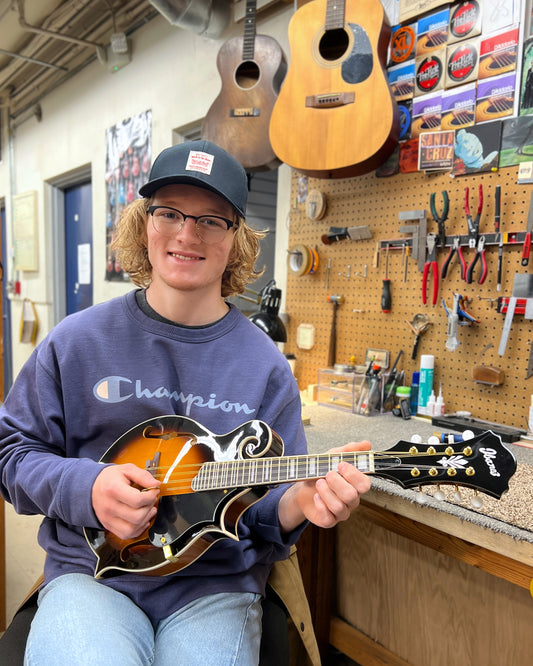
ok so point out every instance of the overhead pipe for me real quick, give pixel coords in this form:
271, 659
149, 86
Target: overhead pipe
50, 33
204, 17
32, 60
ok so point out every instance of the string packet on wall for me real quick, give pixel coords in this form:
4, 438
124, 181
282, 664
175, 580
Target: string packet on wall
29, 322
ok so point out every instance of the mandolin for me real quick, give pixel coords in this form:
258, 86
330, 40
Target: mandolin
208, 481
335, 116
252, 69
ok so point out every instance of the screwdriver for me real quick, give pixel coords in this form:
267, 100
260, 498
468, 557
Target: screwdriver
386, 299
499, 235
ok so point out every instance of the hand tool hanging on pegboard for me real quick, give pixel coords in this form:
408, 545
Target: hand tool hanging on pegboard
342, 233
455, 249
497, 202
386, 296
474, 240
431, 263
522, 288
527, 239
332, 353
441, 218
419, 325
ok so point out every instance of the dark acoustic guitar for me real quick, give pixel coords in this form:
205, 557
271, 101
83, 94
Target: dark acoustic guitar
335, 116
252, 69
208, 481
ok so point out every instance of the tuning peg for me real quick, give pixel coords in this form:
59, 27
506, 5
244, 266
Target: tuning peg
439, 495
457, 495
468, 434
433, 440
416, 439
476, 501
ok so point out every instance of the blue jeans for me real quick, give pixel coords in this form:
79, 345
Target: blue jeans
80, 621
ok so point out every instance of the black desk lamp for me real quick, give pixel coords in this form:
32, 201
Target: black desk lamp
267, 319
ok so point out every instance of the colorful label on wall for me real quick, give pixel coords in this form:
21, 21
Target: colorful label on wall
465, 21
462, 62
498, 53
429, 72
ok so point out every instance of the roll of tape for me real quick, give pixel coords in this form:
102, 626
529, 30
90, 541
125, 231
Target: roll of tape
314, 260
302, 260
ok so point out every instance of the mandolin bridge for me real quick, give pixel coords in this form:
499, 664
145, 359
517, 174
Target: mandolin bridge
330, 100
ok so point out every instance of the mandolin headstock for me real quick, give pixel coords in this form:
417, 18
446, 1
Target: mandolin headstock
482, 463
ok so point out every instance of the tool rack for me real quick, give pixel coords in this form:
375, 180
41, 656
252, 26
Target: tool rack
510, 238
377, 203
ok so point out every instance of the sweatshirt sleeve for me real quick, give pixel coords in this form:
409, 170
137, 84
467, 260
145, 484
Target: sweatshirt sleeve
35, 474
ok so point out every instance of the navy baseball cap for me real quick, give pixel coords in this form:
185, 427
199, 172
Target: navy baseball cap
203, 164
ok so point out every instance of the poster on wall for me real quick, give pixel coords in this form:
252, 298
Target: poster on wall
128, 160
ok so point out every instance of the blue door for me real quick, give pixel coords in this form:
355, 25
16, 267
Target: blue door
78, 247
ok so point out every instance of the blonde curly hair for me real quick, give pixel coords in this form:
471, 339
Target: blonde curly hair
130, 246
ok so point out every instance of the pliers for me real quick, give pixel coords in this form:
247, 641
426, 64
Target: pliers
473, 225
440, 219
454, 249
431, 242
480, 252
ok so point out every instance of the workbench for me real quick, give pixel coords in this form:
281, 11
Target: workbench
431, 583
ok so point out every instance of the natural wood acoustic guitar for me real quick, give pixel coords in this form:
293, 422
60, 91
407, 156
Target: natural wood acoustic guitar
252, 69
335, 116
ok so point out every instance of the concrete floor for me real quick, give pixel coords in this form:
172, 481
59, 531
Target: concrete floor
24, 557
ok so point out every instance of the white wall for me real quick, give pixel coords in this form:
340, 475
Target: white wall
173, 72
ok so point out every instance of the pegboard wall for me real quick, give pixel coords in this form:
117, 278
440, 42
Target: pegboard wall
377, 202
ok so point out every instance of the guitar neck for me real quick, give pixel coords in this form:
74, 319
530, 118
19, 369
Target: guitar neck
249, 31
334, 15
274, 470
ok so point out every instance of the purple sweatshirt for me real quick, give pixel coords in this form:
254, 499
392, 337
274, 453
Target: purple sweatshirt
102, 371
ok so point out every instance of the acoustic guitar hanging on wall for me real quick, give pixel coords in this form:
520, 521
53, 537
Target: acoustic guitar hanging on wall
252, 69
335, 116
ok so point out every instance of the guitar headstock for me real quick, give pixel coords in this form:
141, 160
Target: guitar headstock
482, 463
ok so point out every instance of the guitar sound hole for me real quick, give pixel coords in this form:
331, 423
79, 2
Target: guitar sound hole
247, 74
334, 44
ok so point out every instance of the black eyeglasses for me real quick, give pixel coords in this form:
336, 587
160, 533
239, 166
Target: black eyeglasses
169, 221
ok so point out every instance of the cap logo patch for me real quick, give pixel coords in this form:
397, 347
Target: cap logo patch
200, 161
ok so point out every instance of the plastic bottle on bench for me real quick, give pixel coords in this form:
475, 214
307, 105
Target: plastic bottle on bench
427, 365
415, 384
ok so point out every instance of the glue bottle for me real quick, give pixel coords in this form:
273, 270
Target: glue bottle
439, 405
430, 407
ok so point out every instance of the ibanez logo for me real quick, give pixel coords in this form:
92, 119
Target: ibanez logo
488, 456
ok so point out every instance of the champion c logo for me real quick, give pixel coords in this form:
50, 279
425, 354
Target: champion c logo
108, 389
